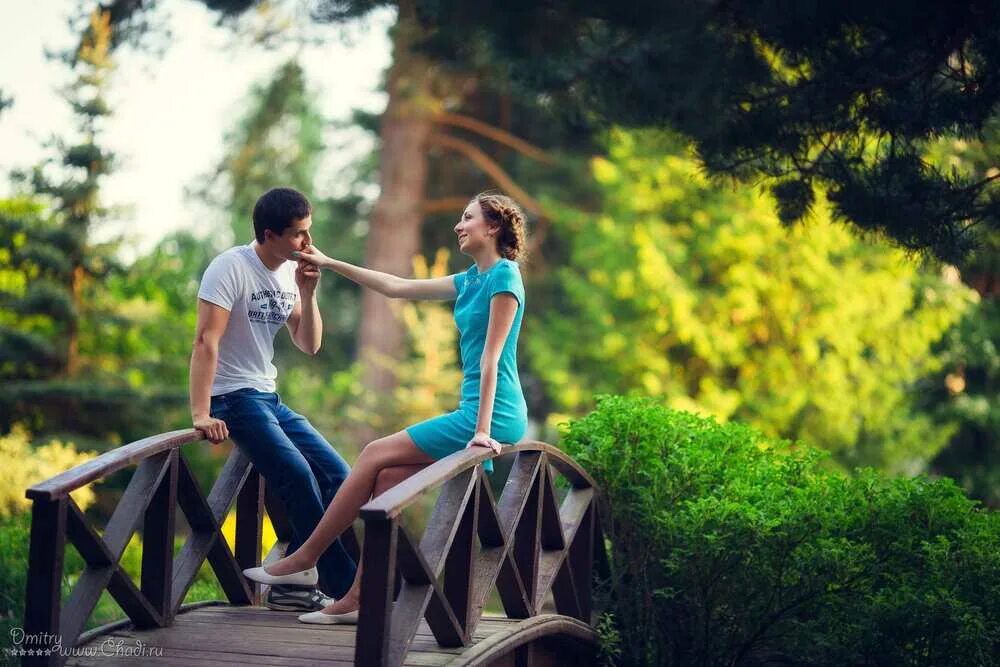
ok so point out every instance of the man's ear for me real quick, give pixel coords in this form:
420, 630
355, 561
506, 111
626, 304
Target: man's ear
267, 235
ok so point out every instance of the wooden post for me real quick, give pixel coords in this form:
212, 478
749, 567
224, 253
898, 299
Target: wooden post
43, 594
158, 529
250, 526
527, 538
375, 613
581, 557
459, 565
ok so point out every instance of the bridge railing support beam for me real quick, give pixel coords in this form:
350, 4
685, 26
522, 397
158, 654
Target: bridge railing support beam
161, 482
529, 546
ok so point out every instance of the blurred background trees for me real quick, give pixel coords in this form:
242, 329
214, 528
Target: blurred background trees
758, 214
646, 274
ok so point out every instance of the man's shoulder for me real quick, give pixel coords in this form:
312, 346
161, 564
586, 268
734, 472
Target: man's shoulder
233, 258
236, 253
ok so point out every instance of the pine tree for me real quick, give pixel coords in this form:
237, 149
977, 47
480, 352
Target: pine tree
55, 323
843, 95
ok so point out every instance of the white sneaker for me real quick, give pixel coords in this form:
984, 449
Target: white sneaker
319, 618
308, 577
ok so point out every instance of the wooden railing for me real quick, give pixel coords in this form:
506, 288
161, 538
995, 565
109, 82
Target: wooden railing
528, 545
162, 481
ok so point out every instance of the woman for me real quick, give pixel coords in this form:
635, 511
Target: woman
489, 307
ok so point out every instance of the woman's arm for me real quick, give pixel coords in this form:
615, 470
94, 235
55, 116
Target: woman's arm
383, 283
503, 308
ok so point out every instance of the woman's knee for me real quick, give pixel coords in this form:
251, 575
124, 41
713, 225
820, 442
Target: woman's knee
377, 452
392, 450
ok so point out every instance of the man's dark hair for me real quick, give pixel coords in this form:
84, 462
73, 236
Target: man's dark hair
278, 208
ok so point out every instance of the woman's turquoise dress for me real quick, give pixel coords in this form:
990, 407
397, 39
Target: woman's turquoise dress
449, 433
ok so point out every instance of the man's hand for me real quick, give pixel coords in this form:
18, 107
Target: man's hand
307, 277
215, 430
481, 439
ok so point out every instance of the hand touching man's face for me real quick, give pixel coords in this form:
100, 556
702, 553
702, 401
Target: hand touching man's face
295, 238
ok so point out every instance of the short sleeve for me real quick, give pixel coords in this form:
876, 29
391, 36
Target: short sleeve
459, 279
507, 278
220, 284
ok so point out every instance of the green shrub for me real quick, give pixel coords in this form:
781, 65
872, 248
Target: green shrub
731, 548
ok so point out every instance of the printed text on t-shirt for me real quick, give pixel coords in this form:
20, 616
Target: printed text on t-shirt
270, 306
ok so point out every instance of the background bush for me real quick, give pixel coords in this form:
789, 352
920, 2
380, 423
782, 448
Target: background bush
728, 547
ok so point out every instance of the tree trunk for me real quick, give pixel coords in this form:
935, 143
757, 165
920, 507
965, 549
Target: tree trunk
394, 228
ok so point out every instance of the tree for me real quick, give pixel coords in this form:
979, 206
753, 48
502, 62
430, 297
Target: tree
842, 95
420, 117
967, 389
677, 289
278, 141
75, 183
55, 312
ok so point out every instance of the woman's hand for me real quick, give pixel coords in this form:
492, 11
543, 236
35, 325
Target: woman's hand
312, 255
481, 439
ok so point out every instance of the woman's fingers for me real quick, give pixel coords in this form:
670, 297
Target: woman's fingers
481, 441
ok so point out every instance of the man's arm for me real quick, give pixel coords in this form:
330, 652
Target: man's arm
304, 323
212, 321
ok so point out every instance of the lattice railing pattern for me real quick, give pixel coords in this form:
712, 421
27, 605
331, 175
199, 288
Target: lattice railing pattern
161, 483
526, 544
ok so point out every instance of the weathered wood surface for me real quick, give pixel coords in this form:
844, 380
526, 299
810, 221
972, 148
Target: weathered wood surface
227, 635
422, 595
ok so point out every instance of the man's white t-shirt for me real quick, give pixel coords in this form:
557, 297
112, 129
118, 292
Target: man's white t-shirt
259, 302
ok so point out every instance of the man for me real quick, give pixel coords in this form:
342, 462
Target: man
247, 294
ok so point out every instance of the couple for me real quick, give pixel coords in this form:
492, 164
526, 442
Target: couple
249, 292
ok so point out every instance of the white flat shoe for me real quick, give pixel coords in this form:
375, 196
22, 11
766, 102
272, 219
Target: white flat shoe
308, 577
319, 618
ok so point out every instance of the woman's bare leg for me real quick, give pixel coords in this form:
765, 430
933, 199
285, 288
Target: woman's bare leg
387, 478
394, 450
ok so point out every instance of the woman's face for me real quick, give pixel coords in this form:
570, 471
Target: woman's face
474, 233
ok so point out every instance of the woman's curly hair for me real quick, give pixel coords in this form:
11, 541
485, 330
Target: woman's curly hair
503, 212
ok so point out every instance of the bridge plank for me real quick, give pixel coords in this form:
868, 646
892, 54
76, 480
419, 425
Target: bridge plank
235, 635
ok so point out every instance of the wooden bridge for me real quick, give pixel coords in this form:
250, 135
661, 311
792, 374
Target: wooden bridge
422, 600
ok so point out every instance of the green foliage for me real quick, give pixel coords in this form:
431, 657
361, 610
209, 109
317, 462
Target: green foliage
14, 533
968, 393
699, 294
846, 96
278, 141
25, 465
34, 304
728, 547
14, 539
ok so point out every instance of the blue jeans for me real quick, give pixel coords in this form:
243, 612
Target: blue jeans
302, 467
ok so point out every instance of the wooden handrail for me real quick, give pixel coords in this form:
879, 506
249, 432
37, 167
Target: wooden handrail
395, 500
532, 542
162, 483
120, 457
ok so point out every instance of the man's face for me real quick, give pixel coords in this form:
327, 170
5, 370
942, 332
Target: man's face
295, 238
